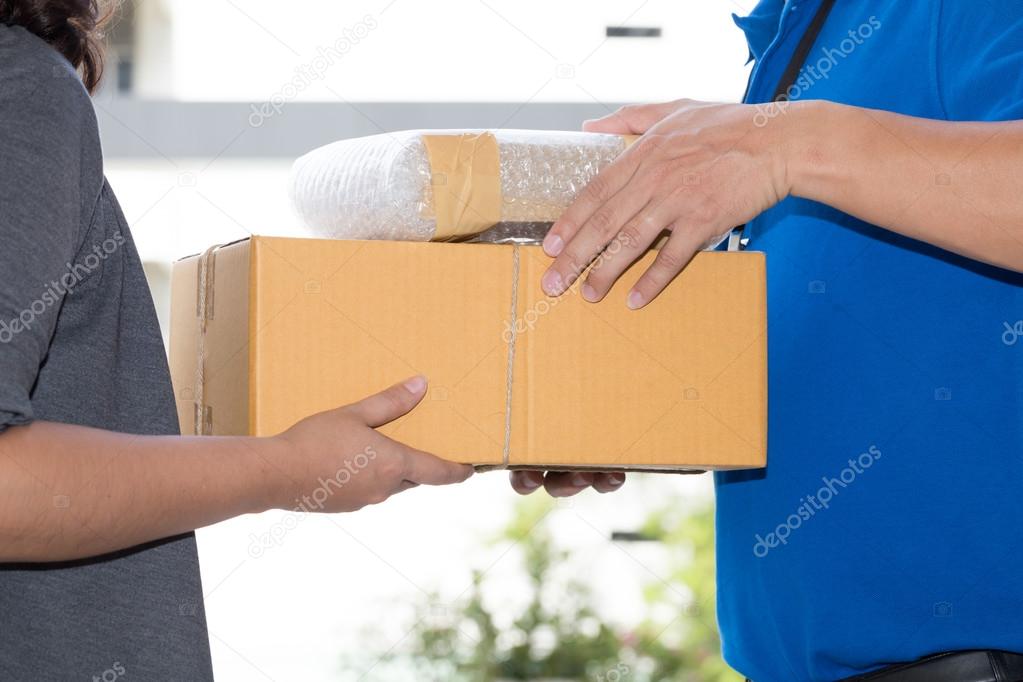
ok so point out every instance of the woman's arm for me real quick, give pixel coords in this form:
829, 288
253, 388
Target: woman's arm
69, 492
701, 168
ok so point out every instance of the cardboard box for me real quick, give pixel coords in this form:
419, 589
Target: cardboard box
288, 327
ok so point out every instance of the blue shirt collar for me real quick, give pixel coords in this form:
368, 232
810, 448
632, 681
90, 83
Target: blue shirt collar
761, 26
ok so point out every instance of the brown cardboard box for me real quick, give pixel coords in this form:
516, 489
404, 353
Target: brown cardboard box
295, 326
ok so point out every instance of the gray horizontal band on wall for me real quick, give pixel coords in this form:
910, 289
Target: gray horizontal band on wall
137, 128
633, 31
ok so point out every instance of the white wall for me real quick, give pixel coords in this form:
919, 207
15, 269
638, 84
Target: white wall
450, 50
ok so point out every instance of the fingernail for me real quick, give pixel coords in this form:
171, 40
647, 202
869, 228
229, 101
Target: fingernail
589, 293
579, 480
615, 479
415, 385
552, 245
635, 300
530, 483
552, 283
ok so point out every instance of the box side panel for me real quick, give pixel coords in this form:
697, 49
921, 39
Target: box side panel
184, 330
227, 366
225, 346
678, 384
335, 321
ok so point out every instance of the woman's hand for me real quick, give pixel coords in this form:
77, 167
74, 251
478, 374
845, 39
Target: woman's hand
698, 170
338, 462
121, 490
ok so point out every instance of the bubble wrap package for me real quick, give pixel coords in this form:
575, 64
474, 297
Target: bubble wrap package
422, 185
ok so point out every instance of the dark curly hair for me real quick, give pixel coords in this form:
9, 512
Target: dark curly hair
72, 27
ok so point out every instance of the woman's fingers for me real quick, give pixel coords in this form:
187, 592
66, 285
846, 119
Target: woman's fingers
423, 467
391, 403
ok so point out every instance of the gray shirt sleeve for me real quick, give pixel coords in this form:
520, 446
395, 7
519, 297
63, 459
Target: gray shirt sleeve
41, 213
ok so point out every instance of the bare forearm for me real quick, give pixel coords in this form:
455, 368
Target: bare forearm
955, 185
70, 492
73, 492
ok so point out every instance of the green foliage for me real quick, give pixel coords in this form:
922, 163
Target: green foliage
688, 647
558, 634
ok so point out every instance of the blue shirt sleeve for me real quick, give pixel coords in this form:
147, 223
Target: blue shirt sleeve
984, 79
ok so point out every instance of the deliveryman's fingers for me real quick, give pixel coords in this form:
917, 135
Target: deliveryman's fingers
567, 483
608, 482
525, 482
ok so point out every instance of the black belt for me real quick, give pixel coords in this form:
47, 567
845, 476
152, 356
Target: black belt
956, 666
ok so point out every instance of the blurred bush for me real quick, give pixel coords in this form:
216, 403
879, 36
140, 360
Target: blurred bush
558, 636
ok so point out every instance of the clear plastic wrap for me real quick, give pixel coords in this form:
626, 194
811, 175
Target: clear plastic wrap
381, 187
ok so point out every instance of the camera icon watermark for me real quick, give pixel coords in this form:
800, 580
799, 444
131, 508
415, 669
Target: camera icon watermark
440, 615
111, 674
619, 673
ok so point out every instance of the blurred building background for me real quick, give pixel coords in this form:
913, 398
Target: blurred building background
205, 106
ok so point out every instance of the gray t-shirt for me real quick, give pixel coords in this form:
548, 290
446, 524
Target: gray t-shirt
79, 344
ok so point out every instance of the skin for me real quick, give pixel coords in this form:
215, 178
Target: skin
701, 168
119, 490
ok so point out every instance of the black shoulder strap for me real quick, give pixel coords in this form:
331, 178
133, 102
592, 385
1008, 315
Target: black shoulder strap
737, 240
791, 73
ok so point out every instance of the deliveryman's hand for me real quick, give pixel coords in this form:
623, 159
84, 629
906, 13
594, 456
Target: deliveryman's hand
698, 170
566, 483
337, 462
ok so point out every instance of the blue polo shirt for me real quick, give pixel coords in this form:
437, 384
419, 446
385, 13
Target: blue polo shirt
888, 524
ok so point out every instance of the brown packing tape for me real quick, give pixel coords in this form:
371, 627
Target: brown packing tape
465, 176
204, 312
